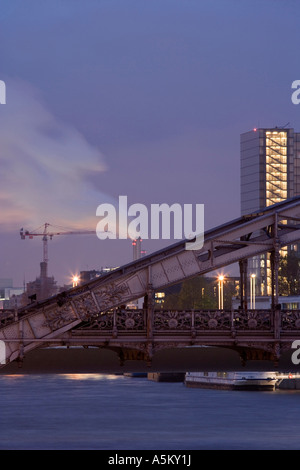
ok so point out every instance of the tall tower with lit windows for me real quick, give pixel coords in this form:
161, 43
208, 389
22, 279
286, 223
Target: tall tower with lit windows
270, 173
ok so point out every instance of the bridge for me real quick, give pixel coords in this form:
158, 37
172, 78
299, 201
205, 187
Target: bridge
93, 314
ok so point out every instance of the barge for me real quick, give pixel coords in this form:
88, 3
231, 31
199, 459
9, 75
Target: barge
265, 381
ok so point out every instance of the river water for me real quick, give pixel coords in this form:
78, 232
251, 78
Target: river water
123, 413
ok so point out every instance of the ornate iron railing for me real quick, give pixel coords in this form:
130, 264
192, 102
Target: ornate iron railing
123, 320
196, 320
290, 320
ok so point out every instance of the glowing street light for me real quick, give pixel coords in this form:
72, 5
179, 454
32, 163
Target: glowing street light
252, 291
221, 292
75, 281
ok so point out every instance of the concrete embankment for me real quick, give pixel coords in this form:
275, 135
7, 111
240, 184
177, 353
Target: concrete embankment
166, 376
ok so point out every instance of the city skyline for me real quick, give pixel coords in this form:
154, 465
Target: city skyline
154, 97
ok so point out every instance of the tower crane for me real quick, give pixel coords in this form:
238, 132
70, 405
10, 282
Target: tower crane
47, 233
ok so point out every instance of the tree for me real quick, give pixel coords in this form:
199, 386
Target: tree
195, 294
289, 274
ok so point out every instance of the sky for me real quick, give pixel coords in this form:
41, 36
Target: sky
143, 98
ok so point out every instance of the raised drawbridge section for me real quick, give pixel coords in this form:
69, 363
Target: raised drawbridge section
58, 320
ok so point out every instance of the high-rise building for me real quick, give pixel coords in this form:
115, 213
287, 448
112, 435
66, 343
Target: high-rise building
270, 173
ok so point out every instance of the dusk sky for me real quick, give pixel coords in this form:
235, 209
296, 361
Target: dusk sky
144, 98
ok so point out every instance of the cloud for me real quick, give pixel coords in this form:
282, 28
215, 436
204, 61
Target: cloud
45, 166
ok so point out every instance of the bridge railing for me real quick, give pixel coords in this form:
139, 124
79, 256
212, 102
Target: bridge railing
184, 321
192, 320
290, 320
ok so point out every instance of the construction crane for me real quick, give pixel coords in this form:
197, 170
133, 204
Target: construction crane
48, 234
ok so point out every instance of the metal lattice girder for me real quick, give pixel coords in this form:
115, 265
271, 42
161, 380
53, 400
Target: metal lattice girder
239, 239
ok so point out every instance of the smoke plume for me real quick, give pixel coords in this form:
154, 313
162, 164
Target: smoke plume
45, 166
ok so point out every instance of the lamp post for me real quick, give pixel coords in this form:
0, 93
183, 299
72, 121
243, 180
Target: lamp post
252, 291
221, 292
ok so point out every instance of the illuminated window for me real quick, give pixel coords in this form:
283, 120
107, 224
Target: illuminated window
276, 167
160, 297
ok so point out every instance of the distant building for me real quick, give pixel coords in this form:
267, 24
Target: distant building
270, 173
265, 303
137, 249
43, 287
8, 294
270, 168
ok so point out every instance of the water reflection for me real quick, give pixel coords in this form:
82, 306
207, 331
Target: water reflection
89, 376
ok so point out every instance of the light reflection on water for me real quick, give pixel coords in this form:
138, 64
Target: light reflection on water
98, 411
89, 376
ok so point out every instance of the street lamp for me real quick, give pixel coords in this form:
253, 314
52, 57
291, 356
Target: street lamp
75, 281
252, 291
221, 292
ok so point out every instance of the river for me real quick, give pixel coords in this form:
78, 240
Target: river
52, 412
